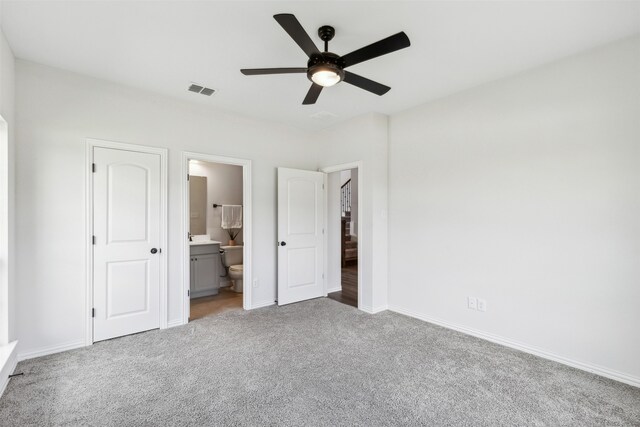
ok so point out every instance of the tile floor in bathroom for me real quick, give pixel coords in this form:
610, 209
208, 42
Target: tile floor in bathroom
226, 300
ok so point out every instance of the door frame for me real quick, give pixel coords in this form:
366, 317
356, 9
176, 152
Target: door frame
247, 274
92, 143
337, 168
6, 254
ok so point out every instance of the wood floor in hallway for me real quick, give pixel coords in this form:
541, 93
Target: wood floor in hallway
349, 293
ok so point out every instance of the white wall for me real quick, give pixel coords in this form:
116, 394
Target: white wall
526, 192
224, 186
365, 138
7, 185
56, 111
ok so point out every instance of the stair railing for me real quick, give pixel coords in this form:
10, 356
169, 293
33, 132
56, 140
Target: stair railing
343, 240
345, 198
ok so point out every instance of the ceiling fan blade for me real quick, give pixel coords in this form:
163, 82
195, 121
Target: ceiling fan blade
292, 26
260, 71
366, 84
379, 48
312, 95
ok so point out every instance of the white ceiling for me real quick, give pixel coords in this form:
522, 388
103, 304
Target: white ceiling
163, 46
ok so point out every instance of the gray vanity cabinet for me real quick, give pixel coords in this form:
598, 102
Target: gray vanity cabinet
205, 270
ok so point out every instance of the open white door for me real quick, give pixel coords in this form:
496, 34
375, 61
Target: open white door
300, 235
127, 233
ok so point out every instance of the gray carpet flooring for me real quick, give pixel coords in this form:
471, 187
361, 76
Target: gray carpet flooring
317, 363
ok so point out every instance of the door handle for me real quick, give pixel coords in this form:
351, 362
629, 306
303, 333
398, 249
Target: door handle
283, 243
154, 251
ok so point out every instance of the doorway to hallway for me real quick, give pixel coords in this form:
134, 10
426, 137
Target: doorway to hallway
343, 197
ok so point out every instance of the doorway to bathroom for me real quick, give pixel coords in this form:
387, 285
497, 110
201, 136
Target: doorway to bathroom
343, 233
217, 230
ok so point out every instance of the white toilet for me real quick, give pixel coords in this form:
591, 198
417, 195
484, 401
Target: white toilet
232, 259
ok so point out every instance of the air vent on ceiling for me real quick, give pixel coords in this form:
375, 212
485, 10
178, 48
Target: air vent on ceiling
201, 89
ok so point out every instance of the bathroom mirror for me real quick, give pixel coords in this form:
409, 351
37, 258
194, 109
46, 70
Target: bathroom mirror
198, 204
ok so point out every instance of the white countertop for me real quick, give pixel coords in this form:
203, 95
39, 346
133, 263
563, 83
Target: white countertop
204, 242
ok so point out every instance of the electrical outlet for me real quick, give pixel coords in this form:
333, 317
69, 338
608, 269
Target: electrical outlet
255, 283
472, 303
482, 305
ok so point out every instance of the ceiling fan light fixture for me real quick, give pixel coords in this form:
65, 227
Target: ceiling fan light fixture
325, 78
325, 70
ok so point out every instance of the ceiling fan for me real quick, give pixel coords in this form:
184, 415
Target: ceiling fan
325, 69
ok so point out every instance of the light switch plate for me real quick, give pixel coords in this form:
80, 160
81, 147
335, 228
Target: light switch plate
482, 305
472, 303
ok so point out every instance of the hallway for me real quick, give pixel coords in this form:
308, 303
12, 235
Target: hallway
349, 293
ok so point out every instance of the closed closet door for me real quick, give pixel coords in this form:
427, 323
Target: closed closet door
126, 253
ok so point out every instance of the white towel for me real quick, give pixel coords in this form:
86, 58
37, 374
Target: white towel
231, 216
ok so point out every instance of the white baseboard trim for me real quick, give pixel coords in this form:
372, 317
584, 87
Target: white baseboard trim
45, 351
374, 310
594, 369
336, 289
8, 362
174, 323
262, 304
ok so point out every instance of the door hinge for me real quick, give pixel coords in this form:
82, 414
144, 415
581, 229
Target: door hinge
323, 231
188, 176
93, 312
188, 293
93, 167
93, 240
322, 276
323, 186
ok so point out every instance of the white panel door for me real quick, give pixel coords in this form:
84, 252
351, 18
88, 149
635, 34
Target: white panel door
300, 235
127, 230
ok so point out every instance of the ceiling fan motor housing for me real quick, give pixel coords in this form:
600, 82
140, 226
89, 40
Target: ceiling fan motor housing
326, 61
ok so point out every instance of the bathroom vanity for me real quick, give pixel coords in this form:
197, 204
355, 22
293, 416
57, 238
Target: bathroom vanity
205, 268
